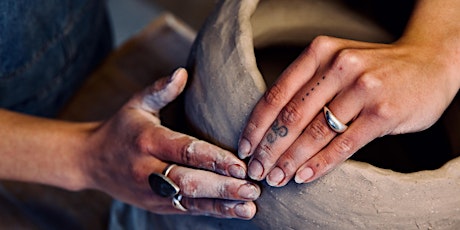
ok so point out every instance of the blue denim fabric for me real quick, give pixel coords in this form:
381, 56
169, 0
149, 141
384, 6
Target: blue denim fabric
47, 48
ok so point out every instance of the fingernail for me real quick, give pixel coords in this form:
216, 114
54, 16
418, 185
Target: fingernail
275, 177
243, 148
303, 175
255, 170
249, 191
242, 211
175, 74
237, 171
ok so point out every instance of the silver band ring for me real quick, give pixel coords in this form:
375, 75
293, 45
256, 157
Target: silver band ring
176, 202
333, 122
168, 169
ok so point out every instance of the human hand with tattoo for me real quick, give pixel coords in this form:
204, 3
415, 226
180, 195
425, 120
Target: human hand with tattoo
119, 155
299, 130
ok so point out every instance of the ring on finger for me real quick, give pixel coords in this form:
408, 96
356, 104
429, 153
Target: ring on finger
333, 122
162, 185
176, 202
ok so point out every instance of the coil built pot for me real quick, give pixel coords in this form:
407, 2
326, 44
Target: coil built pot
225, 85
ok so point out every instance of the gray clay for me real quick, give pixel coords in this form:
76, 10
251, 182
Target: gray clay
225, 86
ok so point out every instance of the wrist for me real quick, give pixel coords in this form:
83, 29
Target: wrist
442, 51
78, 176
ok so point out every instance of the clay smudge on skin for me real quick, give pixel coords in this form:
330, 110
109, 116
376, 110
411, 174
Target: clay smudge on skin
159, 96
189, 185
207, 160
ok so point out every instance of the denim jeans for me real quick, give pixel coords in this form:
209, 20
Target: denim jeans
47, 48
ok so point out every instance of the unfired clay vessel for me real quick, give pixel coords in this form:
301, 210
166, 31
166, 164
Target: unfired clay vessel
225, 86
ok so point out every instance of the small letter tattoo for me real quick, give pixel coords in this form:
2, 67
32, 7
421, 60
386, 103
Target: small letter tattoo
281, 131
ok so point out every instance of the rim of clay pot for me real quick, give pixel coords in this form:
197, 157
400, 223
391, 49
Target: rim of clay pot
426, 196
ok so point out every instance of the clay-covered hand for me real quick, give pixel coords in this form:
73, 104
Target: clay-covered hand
126, 149
377, 89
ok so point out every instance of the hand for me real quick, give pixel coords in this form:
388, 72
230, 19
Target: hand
127, 148
377, 89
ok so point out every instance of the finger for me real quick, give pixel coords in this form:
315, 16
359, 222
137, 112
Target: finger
162, 92
300, 111
290, 123
286, 118
361, 131
228, 204
337, 77
316, 57
345, 106
210, 207
269, 106
195, 183
315, 136
221, 208
182, 149
232, 197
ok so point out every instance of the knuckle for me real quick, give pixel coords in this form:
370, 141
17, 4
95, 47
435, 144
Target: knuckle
143, 142
265, 152
318, 130
343, 146
189, 186
347, 58
287, 164
320, 163
191, 204
187, 152
368, 84
383, 111
137, 175
222, 209
341, 149
251, 127
323, 43
223, 190
274, 96
291, 114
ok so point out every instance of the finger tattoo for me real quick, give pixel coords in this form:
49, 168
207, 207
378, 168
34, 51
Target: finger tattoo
313, 88
276, 131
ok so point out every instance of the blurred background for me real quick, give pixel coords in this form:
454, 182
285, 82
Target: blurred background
130, 16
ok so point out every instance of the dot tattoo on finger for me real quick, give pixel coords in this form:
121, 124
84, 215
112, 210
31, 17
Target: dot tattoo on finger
281, 131
313, 88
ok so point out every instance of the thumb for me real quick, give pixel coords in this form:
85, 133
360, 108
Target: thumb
163, 91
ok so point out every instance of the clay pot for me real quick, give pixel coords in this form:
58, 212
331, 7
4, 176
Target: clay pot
226, 85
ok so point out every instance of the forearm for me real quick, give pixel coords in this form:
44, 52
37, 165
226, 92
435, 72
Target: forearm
434, 20
42, 150
433, 34
435, 24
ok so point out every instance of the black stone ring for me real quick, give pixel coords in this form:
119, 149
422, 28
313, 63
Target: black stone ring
162, 185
